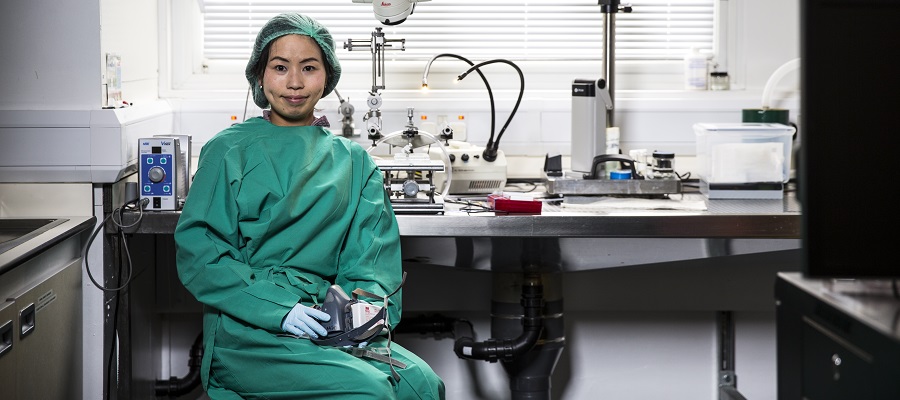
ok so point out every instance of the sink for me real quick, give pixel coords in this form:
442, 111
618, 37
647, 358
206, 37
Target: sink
15, 231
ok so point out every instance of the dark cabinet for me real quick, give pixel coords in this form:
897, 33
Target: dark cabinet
837, 339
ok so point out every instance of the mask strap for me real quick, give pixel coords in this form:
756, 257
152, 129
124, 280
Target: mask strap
387, 321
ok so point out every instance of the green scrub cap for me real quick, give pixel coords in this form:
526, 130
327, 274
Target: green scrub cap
287, 24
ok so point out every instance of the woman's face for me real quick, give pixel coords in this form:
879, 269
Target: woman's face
294, 79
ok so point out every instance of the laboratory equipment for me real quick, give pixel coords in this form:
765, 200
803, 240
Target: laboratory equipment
487, 85
352, 321
392, 12
480, 169
663, 165
593, 102
605, 167
591, 108
409, 176
164, 173
766, 112
475, 171
491, 149
743, 160
377, 45
96, 146
472, 173
348, 128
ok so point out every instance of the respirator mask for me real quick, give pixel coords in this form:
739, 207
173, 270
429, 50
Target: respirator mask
353, 321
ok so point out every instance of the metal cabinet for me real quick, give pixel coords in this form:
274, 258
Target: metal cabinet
7, 348
40, 335
47, 335
41, 308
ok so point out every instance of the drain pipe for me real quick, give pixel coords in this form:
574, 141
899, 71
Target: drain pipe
491, 350
174, 386
535, 325
494, 350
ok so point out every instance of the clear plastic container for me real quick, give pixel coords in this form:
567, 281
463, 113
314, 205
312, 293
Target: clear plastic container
743, 152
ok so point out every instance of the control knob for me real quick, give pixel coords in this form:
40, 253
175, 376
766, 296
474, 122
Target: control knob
156, 174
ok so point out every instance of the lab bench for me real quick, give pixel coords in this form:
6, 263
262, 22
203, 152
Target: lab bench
511, 247
732, 218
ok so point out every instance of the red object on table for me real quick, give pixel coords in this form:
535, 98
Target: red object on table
504, 206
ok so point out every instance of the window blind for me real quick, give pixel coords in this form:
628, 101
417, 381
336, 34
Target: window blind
548, 30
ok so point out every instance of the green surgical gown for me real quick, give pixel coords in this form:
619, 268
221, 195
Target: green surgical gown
275, 215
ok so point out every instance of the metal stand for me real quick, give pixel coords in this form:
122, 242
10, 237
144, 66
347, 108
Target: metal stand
727, 377
377, 44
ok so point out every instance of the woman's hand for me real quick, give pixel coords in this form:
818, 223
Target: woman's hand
304, 321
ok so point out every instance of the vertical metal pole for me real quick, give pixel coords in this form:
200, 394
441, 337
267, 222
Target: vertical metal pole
609, 60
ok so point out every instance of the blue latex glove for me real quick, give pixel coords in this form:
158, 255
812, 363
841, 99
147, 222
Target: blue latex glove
304, 321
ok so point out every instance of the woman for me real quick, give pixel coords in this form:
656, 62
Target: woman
280, 210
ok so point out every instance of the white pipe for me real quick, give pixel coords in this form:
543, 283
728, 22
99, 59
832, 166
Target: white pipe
776, 78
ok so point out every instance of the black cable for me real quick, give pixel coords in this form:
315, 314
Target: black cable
486, 84
490, 151
246, 102
114, 340
469, 207
139, 204
113, 334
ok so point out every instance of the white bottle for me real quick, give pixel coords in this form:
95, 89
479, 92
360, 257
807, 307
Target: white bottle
612, 140
612, 147
696, 70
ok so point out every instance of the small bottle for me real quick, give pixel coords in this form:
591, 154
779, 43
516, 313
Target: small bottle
719, 80
612, 147
696, 70
612, 140
663, 165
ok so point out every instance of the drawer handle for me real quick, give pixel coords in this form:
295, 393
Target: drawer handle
6, 337
26, 321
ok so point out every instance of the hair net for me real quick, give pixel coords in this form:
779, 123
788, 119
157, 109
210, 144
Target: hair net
286, 24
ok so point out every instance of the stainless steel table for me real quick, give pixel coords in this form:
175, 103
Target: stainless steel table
756, 219
522, 251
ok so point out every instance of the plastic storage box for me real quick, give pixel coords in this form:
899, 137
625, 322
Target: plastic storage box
743, 160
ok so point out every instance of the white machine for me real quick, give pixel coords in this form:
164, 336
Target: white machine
471, 173
392, 12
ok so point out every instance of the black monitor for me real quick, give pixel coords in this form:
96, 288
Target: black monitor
849, 130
